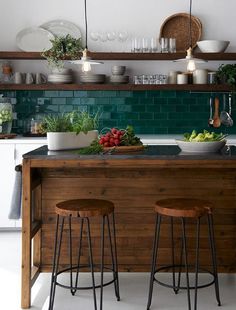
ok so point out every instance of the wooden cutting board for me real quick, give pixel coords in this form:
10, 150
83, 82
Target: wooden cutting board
7, 136
124, 149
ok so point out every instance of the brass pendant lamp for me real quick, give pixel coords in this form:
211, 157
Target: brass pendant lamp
190, 59
85, 60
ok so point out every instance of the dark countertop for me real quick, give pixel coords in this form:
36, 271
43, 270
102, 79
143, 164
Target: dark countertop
152, 152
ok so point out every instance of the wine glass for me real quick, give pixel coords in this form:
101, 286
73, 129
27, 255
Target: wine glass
94, 35
111, 35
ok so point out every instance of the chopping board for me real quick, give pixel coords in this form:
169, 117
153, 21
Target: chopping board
7, 135
124, 149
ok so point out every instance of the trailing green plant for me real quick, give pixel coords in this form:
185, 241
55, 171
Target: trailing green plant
62, 47
227, 74
76, 121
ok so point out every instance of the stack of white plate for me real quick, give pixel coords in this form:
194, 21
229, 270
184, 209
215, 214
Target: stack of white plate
60, 76
92, 78
119, 79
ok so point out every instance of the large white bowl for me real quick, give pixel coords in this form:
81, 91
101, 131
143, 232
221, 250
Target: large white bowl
213, 46
201, 147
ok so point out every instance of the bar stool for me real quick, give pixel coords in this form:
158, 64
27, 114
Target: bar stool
84, 210
183, 209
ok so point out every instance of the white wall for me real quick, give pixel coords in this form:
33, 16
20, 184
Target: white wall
137, 17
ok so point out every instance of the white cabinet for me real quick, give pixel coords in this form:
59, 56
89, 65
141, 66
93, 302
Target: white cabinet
10, 155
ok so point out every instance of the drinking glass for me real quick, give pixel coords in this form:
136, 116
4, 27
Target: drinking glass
164, 45
94, 35
153, 45
145, 45
172, 45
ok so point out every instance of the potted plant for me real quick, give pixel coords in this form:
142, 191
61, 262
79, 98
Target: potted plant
62, 47
226, 74
70, 130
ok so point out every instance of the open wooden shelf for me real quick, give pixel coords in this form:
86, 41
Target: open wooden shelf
128, 87
123, 56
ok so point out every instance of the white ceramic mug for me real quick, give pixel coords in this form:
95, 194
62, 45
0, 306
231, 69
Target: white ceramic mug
182, 78
29, 78
40, 78
200, 76
18, 78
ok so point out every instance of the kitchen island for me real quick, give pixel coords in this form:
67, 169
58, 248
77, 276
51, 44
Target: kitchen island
133, 182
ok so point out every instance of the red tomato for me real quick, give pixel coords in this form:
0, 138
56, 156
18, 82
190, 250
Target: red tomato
116, 141
106, 139
111, 140
106, 144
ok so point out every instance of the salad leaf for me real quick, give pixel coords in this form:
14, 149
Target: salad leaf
204, 136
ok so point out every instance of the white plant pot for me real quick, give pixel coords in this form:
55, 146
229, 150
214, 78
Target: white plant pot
70, 140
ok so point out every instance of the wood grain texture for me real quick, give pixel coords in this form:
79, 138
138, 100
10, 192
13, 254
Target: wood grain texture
134, 193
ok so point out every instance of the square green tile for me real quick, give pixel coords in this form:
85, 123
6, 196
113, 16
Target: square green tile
65, 108
102, 101
146, 115
153, 108
51, 93
168, 93
80, 93
89, 101
138, 108
66, 93
74, 101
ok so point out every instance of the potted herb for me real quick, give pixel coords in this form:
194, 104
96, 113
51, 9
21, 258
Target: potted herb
226, 74
70, 130
62, 47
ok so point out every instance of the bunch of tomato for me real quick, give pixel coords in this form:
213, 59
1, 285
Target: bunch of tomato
112, 138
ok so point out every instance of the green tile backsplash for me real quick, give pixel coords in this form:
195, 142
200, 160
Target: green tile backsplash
150, 112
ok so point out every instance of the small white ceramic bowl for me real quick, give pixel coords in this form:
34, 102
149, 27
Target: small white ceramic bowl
201, 147
118, 70
212, 46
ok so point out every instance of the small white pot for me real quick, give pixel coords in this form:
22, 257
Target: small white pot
70, 140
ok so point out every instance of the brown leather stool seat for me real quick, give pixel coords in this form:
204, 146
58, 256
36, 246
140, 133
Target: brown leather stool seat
183, 210
84, 210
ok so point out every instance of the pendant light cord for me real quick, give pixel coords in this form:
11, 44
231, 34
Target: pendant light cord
190, 23
86, 24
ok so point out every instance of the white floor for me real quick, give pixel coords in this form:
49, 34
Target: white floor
133, 288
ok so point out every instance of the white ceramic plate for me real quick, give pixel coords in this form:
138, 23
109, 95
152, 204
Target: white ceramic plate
34, 39
201, 147
60, 27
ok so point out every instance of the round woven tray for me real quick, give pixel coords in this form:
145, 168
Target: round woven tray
177, 26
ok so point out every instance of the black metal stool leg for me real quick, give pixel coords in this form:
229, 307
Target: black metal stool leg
116, 260
154, 258
79, 254
173, 255
213, 255
70, 254
91, 263
197, 263
102, 260
114, 267
56, 259
186, 261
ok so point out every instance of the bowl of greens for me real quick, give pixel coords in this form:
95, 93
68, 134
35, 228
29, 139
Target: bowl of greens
202, 142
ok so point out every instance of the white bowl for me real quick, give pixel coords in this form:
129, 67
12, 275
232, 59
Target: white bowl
201, 147
213, 46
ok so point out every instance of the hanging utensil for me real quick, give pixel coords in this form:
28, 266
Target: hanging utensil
210, 121
225, 117
231, 122
216, 117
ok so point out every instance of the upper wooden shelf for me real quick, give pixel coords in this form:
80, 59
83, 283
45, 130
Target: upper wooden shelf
128, 87
124, 56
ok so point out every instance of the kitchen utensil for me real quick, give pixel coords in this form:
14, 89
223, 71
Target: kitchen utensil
224, 116
201, 147
210, 121
34, 39
216, 118
231, 122
212, 46
61, 27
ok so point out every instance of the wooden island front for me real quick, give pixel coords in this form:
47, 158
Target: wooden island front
133, 182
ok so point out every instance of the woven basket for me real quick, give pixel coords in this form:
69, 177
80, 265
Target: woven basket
177, 26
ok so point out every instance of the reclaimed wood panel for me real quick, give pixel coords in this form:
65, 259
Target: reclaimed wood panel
134, 192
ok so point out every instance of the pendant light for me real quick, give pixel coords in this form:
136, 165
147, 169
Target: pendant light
85, 60
190, 59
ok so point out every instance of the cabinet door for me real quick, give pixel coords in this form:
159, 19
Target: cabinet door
7, 174
20, 150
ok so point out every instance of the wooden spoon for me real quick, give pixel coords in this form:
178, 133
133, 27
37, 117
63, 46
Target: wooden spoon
216, 117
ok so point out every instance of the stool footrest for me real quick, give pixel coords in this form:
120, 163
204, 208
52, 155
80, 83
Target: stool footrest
85, 287
183, 287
